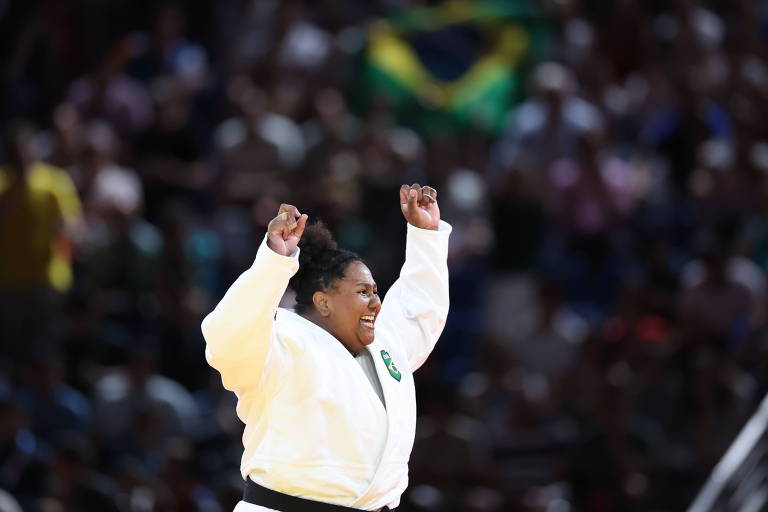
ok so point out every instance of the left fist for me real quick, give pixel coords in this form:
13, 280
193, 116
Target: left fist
419, 206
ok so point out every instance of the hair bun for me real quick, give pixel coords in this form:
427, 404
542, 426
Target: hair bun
316, 240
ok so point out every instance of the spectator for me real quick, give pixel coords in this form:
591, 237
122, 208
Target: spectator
102, 183
109, 94
40, 215
166, 51
75, 485
547, 126
53, 407
137, 394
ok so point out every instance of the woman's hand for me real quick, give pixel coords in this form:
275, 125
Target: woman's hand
285, 230
419, 206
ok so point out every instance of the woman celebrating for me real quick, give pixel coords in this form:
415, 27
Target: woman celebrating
326, 391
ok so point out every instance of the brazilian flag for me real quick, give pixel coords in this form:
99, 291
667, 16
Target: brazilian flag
452, 66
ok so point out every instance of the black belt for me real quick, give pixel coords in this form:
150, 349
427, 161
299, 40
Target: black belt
258, 495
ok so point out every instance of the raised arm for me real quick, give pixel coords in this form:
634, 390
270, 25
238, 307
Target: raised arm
238, 331
416, 306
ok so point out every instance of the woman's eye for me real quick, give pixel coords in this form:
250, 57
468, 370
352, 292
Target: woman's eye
363, 292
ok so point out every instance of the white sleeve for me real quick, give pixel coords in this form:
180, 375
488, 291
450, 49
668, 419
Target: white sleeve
239, 331
416, 305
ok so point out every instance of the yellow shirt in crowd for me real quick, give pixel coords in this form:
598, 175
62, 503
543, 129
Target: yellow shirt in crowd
34, 252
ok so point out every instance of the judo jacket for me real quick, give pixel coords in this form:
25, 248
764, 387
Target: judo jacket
314, 426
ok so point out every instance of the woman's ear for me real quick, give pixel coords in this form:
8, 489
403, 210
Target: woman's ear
321, 302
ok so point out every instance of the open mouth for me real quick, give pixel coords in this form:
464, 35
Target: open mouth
368, 320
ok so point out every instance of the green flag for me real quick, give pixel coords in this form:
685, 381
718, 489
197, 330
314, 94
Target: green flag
453, 66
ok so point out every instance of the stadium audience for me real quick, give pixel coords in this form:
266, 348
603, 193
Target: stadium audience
607, 337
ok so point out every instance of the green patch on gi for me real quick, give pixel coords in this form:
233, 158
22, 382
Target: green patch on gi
393, 371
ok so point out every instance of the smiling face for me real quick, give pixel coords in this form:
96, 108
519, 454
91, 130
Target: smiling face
349, 308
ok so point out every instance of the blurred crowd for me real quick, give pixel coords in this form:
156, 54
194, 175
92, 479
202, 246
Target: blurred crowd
607, 337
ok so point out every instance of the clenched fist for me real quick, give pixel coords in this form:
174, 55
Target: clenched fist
419, 206
285, 230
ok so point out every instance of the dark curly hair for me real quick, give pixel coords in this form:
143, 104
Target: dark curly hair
321, 263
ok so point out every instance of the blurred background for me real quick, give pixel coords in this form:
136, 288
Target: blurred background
604, 165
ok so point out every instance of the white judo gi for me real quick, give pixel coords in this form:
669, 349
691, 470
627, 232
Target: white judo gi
314, 426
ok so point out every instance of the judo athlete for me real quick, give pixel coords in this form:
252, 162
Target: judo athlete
326, 390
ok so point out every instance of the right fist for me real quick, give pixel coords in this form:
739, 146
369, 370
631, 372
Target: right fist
285, 230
